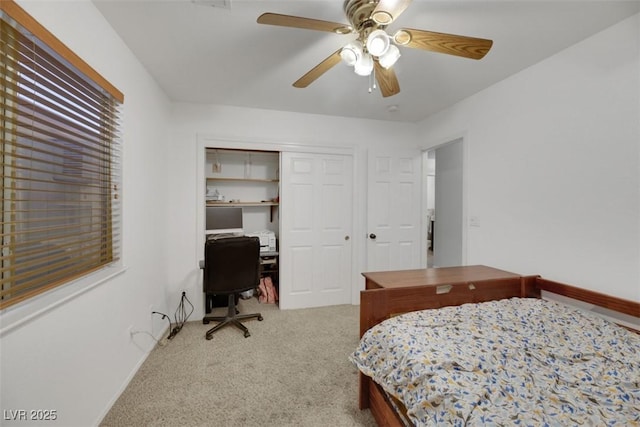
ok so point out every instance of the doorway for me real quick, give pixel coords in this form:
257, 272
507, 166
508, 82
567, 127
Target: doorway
444, 204
429, 160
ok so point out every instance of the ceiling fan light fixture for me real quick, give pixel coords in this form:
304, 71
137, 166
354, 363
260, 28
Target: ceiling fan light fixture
351, 53
378, 43
382, 17
364, 66
390, 57
402, 37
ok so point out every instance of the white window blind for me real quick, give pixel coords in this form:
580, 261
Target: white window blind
60, 162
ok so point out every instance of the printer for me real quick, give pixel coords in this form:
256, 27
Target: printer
267, 240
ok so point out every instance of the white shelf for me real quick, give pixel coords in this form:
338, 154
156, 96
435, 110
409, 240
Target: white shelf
210, 203
249, 178
256, 180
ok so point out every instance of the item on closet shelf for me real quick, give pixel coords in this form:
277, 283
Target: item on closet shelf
214, 195
217, 166
247, 168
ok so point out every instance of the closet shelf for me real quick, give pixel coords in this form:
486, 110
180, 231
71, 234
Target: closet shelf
212, 203
241, 179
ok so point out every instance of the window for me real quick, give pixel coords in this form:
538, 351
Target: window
59, 160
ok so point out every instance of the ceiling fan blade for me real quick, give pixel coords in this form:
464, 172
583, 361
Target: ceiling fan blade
318, 70
451, 44
387, 80
388, 11
304, 23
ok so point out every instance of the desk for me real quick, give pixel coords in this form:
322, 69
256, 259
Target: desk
434, 276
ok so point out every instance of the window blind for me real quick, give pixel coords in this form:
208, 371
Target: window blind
60, 162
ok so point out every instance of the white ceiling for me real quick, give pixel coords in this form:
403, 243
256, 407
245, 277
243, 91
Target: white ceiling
215, 55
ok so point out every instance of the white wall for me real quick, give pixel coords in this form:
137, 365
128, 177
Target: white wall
553, 165
77, 356
260, 128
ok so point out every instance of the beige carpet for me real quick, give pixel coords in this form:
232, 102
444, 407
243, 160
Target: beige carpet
292, 371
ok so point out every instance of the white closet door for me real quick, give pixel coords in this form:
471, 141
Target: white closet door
315, 230
393, 211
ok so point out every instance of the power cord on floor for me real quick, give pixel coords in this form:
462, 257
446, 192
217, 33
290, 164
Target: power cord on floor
161, 342
164, 316
181, 316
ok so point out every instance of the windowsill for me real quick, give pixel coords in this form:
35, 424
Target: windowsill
28, 310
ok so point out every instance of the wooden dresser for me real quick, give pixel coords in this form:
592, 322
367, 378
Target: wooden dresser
434, 276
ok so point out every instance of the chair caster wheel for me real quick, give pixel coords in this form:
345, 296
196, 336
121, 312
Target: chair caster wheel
208, 337
260, 319
247, 334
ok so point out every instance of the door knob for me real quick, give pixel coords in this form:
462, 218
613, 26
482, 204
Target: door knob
372, 236
346, 237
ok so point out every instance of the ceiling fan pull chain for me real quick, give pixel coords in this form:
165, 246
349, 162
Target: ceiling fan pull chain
372, 81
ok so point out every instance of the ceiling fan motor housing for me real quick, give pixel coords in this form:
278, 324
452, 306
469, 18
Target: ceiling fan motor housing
359, 15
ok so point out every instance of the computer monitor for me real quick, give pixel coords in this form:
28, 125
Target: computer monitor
223, 219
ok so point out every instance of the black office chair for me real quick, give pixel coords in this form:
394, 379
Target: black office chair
231, 266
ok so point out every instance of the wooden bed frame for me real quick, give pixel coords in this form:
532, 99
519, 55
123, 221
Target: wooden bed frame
377, 305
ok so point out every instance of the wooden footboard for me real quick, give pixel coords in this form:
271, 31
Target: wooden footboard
377, 305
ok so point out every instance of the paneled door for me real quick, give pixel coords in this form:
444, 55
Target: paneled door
394, 234
315, 229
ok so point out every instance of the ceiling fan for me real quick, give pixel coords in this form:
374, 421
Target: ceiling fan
374, 50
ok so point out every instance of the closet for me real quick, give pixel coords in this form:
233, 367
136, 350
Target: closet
242, 195
304, 200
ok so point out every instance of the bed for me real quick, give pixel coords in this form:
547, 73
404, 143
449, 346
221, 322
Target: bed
442, 348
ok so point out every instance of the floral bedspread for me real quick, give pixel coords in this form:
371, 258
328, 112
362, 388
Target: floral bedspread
520, 361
